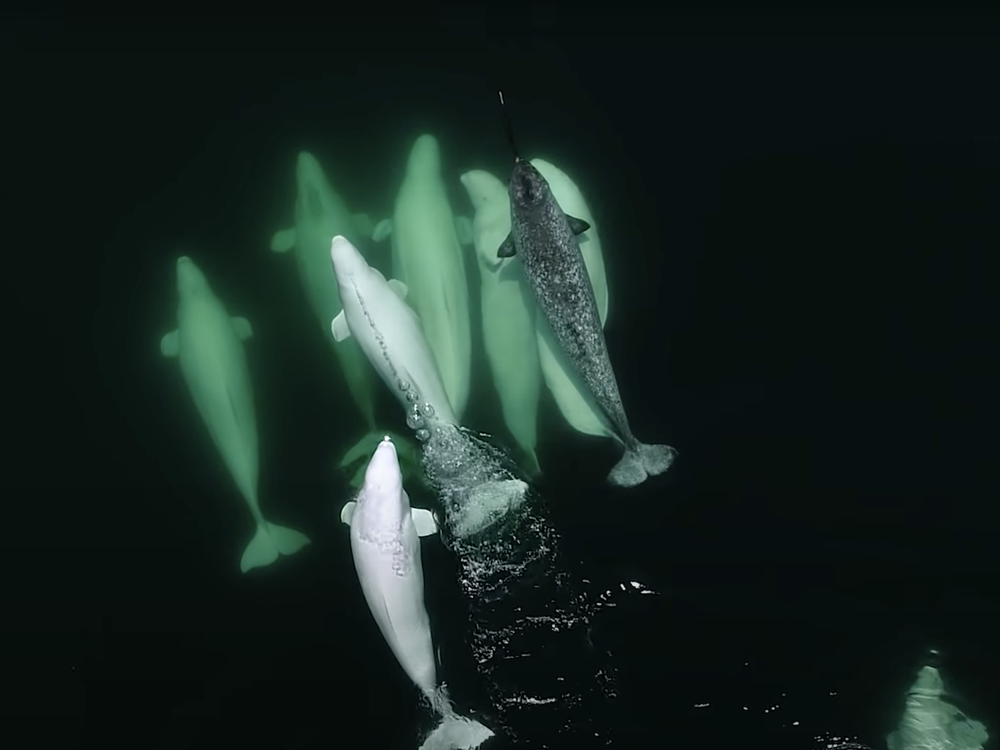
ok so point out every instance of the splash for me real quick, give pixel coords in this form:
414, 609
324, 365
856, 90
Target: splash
530, 624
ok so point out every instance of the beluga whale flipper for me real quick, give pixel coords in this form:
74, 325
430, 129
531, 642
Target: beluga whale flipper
385, 544
209, 345
545, 239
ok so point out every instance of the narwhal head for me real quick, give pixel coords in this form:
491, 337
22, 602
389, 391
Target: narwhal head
528, 189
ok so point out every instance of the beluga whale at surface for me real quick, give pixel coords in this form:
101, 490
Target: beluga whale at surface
209, 345
427, 258
377, 316
385, 544
545, 239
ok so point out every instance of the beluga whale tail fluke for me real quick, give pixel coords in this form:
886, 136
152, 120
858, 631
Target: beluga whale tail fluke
544, 237
640, 462
268, 543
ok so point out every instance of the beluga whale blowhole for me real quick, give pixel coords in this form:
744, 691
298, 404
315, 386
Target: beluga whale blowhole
545, 239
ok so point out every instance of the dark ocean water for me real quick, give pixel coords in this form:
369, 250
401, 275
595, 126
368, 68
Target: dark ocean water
800, 218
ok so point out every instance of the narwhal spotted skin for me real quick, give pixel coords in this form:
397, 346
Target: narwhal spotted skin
545, 239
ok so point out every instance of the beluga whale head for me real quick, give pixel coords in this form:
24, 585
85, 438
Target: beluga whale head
190, 280
383, 474
347, 261
312, 185
425, 156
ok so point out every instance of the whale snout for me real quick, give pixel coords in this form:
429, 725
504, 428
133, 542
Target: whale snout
425, 155
189, 276
527, 186
346, 259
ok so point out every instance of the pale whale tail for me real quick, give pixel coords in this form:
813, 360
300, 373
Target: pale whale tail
270, 541
454, 732
640, 462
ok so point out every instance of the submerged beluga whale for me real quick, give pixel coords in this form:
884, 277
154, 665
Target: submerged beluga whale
320, 213
427, 258
508, 315
385, 544
545, 239
208, 344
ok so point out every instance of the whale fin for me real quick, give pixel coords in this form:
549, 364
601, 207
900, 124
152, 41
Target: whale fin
509, 272
243, 328
506, 248
170, 345
382, 230
347, 512
399, 288
283, 241
455, 732
339, 327
579, 226
270, 541
641, 462
363, 223
424, 520
463, 229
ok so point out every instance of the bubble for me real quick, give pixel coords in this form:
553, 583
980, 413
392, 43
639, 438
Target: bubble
414, 421
423, 434
403, 385
411, 396
428, 410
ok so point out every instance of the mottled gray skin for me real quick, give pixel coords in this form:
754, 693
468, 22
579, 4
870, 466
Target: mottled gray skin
554, 268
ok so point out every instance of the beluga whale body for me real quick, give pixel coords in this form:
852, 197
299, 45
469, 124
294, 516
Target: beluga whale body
426, 256
320, 213
545, 239
209, 345
507, 313
377, 316
385, 544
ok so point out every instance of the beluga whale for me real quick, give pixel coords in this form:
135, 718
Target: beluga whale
427, 257
385, 543
209, 345
320, 213
378, 317
545, 239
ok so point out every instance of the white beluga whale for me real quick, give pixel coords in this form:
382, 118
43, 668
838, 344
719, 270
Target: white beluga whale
427, 258
545, 239
930, 721
377, 316
208, 343
567, 391
508, 314
385, 544
320, 213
